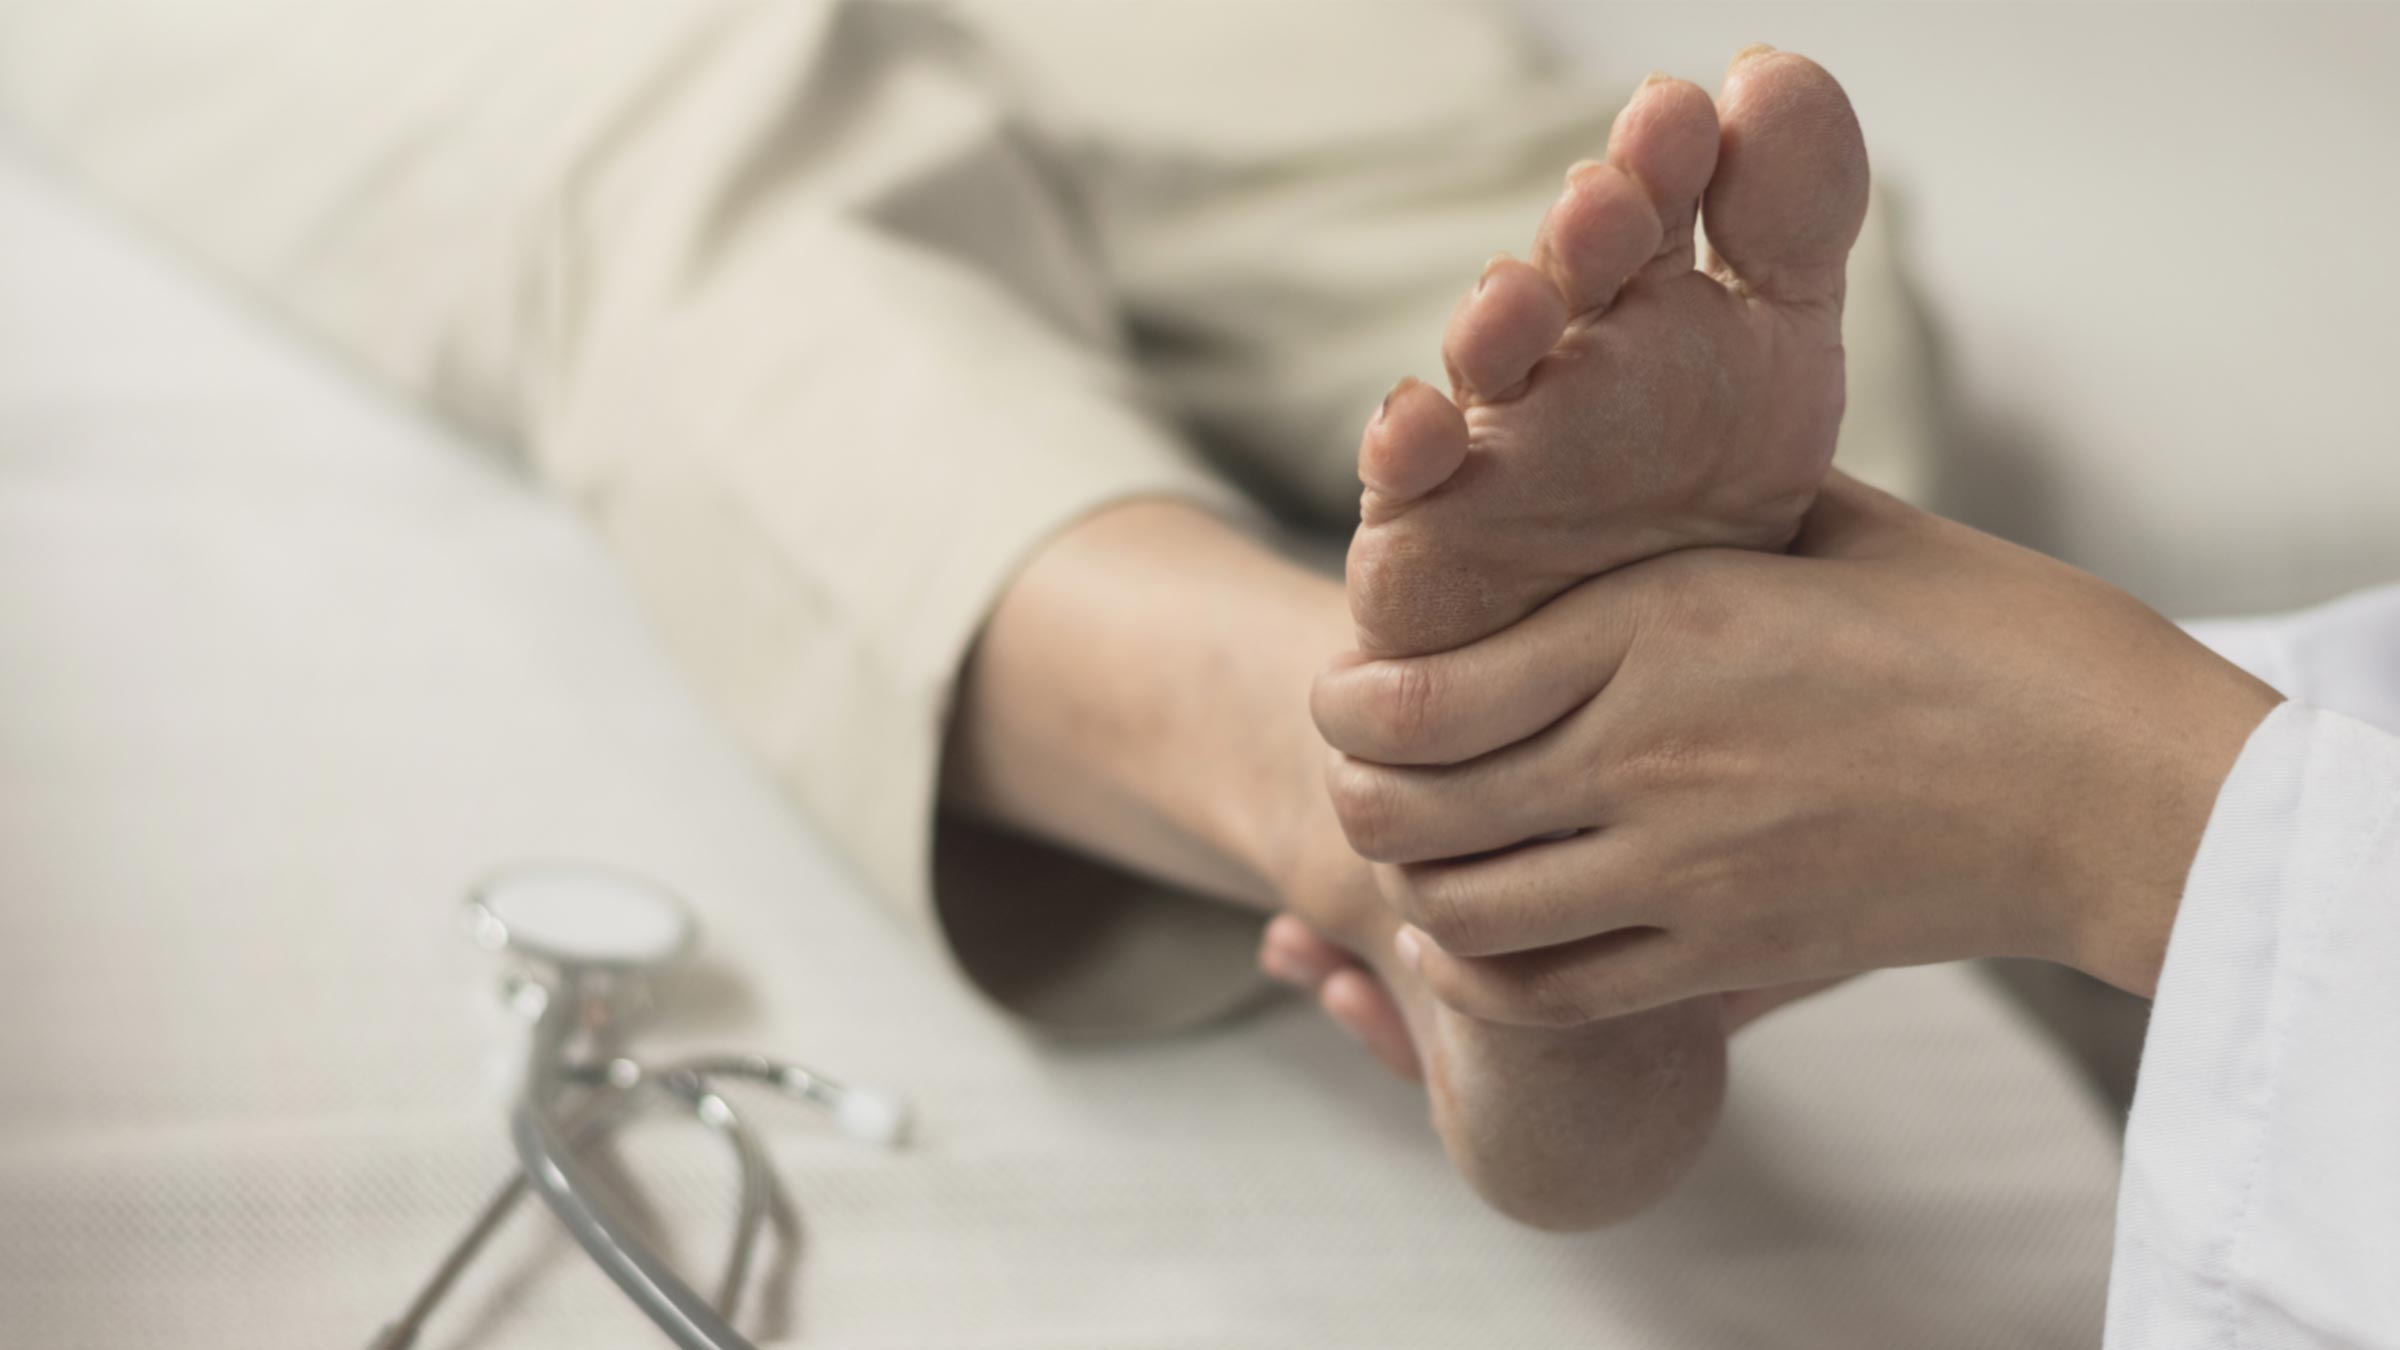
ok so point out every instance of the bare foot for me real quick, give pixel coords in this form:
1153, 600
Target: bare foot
1620, 396
1563, 1130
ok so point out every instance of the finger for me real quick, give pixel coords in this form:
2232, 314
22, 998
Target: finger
1456, 705
1358, 1001
1296, 954
1292, 952
1588, 981
1275, 959
1410, 814
1538, 895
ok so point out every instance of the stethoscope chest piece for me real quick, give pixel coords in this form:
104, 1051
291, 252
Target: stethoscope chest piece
579, 943
597, 933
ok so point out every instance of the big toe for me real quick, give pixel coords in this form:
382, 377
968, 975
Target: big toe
1790, 190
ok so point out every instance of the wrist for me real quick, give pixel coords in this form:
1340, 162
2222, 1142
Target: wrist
2122, 877
1276, 816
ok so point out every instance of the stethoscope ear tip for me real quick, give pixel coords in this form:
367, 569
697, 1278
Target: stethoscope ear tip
872, 1117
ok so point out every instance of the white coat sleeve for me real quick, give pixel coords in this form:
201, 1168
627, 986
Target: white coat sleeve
2260, 1205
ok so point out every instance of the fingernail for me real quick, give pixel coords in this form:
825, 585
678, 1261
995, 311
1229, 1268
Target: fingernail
1751, 53
1656, 77
1486, 278
1410, 947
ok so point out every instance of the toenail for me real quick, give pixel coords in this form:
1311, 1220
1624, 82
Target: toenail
1659, 77
1582, 169
1405, 382
1752, 52
1488, 269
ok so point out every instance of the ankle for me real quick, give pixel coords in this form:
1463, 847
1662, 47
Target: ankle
1273, 815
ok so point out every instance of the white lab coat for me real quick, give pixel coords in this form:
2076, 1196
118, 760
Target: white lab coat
2260, 1205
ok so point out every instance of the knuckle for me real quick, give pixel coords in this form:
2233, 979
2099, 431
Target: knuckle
1366, 799
1445, 913
1407, 695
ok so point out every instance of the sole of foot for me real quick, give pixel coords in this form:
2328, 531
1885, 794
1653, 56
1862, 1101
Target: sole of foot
1629, 390
1626, 391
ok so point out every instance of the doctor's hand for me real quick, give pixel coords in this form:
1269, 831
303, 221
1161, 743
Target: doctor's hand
1720, 771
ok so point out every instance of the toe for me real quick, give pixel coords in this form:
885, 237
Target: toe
1790, 191
1415, 442
1666, 139
1367, 1011
1293, 952
1596, 234
1512, 318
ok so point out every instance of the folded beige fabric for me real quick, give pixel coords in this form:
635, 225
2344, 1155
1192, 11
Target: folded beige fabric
831, 313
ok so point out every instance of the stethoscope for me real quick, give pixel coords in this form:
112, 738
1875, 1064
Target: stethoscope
580, 944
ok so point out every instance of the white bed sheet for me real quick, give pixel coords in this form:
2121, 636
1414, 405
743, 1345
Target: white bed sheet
282, 665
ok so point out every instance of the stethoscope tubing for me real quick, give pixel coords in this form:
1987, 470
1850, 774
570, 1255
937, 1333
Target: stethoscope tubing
614, 1092
577, 1086
560, 1178
567, 1187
